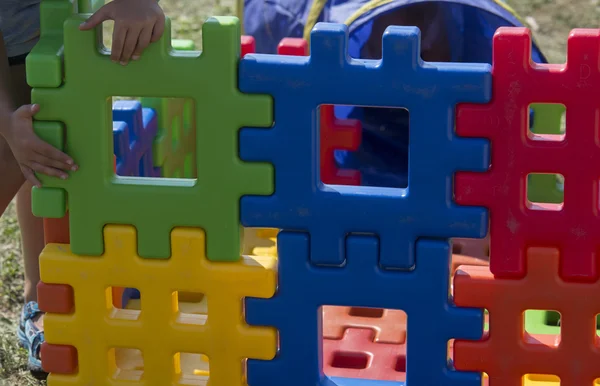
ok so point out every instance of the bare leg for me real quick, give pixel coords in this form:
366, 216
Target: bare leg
12, 177
32, 228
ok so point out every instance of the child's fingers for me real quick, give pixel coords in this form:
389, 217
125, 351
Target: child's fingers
51, 162
100, 16
159, 28
43, 169
119, 35
30, 176
27, 111
131, 41
46, 150
142, 43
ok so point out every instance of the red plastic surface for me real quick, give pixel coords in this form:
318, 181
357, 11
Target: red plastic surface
389, 326
356, 355
248, 45
336, 134
516, 224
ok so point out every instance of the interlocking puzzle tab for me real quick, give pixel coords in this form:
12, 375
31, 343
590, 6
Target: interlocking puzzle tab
224, 338
573, 228
211, 202
134, 129
397, 216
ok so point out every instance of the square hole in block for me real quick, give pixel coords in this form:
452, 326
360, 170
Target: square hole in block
259, 242
545, 191
192, 308
123, 303
363, 342
541, 380
547, 121
154, 137
191, 368
125, 364
542, 322
352, 150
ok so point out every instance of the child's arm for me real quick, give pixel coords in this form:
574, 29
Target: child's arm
16, 126
5, 100
137, 24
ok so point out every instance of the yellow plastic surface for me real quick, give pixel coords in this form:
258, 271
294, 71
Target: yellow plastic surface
160, 330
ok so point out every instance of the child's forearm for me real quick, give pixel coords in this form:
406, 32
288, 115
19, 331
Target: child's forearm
6, 105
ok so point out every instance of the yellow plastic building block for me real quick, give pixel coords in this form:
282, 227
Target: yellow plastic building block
161, 332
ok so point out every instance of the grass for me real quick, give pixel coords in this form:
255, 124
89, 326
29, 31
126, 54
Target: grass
550, 20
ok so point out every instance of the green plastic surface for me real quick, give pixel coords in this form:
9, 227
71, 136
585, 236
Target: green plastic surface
546, 322
176, 137
545, 187
155, 206
48, 202
52, 133
45, 59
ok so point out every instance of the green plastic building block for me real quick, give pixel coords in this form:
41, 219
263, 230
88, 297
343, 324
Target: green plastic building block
89, 6
48, 202
44, 63
51, 132
155, 206
545, 187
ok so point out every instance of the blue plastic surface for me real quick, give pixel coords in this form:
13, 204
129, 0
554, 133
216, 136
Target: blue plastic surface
304, 288
134, 129
430, 91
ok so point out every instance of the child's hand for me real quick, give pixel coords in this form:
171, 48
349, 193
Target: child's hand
33, 154
137, 24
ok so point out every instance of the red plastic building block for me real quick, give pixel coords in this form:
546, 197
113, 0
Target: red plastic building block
507, 352
389, 325
355, 355
58, 359
248, 45
335, 134
56, 230
574, 228
55, 298
293, 47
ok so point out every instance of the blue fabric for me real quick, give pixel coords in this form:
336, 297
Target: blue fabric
383, 155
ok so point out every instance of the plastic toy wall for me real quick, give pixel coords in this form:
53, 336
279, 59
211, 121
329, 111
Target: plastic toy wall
257, 143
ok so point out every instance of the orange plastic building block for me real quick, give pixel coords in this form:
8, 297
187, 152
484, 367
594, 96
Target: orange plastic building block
389, 325
56, 230
55, 298
507, 352
356, 355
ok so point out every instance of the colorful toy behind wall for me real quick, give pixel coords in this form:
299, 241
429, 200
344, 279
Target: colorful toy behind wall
202, 303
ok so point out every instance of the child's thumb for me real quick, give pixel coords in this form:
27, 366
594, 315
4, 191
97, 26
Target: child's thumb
27, 111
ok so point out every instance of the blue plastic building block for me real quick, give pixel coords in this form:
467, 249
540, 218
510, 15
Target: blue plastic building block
430, 91
134, 129
303, 288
